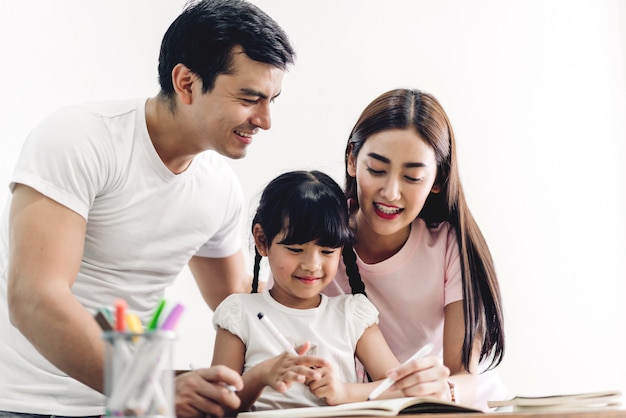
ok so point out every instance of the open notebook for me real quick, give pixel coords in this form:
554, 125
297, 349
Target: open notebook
577, 401
376, 408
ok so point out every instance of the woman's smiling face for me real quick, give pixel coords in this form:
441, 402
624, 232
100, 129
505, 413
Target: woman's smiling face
395, 172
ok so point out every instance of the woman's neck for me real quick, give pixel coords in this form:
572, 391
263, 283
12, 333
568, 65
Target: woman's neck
373, 248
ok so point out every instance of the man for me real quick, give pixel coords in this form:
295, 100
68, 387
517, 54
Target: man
111, 200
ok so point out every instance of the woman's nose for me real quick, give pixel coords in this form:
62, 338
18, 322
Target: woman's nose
391, 189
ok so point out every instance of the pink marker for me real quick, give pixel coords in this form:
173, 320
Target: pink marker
172, 319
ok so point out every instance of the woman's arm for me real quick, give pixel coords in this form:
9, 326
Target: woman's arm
453, 335
423, 377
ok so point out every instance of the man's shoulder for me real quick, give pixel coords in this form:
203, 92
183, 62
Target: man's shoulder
86, 116
108, 109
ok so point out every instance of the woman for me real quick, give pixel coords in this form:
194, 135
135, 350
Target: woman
422, 259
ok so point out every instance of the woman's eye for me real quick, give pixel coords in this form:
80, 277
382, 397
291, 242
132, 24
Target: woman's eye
413, 179
375, 172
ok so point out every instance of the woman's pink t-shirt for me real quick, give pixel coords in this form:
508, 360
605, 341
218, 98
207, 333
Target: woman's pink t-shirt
412, 288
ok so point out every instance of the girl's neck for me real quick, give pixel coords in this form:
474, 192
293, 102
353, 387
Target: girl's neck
292, 302
373, 248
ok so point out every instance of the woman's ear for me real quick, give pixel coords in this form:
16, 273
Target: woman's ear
436, 188
260, 240
351, 167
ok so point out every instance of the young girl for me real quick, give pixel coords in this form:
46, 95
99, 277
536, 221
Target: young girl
301, 225
421, 256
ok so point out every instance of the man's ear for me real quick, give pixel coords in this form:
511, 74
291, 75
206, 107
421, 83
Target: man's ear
260, 240
351, 167
182, 80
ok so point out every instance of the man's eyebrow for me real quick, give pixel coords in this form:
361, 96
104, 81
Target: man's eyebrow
387, 161
252, 92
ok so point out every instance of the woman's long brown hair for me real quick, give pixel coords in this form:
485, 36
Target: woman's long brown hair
402, 109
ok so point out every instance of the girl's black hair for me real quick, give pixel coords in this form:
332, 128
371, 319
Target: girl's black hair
307, 206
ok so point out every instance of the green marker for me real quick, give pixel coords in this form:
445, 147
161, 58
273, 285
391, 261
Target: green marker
154, 322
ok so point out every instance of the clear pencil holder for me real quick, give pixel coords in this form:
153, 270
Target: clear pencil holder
138, 374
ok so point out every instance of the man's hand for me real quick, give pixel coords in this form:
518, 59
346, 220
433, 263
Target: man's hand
203, 392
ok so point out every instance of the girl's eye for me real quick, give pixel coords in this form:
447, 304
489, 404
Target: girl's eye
329, 252
294, 249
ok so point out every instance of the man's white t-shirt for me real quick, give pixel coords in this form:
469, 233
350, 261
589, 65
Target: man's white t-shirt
144, 223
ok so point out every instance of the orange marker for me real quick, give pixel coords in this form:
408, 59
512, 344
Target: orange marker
120, 315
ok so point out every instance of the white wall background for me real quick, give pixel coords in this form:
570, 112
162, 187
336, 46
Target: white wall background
536, 91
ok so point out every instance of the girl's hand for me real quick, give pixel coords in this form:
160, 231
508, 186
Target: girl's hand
425, 376
329, 387
286, 369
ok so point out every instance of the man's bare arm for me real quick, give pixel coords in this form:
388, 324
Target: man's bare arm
219, 277
46, 246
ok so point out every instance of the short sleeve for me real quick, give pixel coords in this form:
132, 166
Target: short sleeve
228, 315
66, 159
360, 314
227, 240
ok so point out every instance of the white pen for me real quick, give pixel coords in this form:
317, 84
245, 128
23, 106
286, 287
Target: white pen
276, 333
388, 382
195, 366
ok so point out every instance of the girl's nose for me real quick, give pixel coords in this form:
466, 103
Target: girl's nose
311, 262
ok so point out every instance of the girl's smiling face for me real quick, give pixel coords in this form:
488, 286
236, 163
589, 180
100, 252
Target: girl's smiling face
395, 172
300, 271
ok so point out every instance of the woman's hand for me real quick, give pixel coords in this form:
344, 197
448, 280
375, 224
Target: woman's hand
426, 376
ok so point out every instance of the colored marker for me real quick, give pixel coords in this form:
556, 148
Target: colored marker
105, 319
120, 315
154, 322
134, 323
388, 382
274, 331
172, 319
